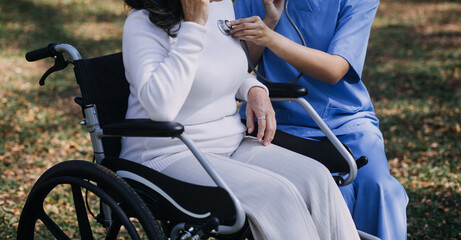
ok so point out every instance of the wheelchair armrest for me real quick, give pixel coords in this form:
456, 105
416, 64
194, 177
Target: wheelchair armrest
143, 128
286, 90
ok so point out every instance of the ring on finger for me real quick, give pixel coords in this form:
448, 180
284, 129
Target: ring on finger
262, 118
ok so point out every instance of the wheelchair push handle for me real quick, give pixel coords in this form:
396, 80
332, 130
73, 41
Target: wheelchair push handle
55, 51
41, 53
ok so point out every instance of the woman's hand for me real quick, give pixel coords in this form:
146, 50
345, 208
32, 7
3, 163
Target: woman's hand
273, 9
259, 106
252, 29
196, 10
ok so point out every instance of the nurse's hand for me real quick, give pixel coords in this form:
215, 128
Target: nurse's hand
252, 29
260, 107
196, 10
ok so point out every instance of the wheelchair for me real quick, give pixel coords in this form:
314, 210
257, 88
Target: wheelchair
134, 201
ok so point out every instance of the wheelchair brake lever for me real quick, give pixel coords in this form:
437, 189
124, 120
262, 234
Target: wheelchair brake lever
59, 64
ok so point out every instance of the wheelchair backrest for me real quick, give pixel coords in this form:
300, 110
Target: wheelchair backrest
102, 83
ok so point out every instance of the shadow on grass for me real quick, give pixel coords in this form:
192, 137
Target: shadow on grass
412, 72
28, 25
403, 63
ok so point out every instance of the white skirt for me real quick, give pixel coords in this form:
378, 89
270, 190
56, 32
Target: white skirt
285, 195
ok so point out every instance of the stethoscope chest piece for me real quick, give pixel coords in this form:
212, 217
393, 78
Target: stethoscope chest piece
222, 25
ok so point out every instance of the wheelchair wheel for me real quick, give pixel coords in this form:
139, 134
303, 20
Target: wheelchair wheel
83, 187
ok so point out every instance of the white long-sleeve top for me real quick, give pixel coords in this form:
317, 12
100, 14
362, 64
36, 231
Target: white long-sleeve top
192, 79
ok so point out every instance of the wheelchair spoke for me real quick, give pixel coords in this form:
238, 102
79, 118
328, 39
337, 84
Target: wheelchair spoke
52, 226
81, 175
82, 217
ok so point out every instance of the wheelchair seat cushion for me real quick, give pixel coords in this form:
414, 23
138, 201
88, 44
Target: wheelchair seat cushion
174, 200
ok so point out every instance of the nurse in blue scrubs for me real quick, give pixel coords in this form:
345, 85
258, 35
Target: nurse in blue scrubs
336, 33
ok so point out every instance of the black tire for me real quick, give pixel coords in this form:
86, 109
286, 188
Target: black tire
105, 186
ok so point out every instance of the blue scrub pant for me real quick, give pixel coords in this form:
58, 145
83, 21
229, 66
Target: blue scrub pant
377, 201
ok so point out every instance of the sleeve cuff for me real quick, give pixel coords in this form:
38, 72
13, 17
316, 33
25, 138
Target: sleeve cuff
247, 85
355, 72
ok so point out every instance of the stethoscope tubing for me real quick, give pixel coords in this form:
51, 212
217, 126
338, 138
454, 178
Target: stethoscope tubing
247, 51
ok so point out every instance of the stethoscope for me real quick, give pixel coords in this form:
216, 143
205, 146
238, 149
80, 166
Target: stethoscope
225, 29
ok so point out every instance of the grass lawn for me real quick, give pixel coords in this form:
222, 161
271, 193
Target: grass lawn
412, 72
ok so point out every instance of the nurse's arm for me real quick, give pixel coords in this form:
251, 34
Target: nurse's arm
314, 63
320, 65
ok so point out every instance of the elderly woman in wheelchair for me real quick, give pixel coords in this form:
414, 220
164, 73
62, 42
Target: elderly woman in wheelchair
191, 74
191, 172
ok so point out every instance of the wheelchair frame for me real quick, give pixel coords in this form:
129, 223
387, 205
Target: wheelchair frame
97, 134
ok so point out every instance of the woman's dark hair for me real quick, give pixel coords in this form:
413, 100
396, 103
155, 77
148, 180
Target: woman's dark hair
165, 14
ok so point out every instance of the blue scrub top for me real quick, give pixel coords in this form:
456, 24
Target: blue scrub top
340, 27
